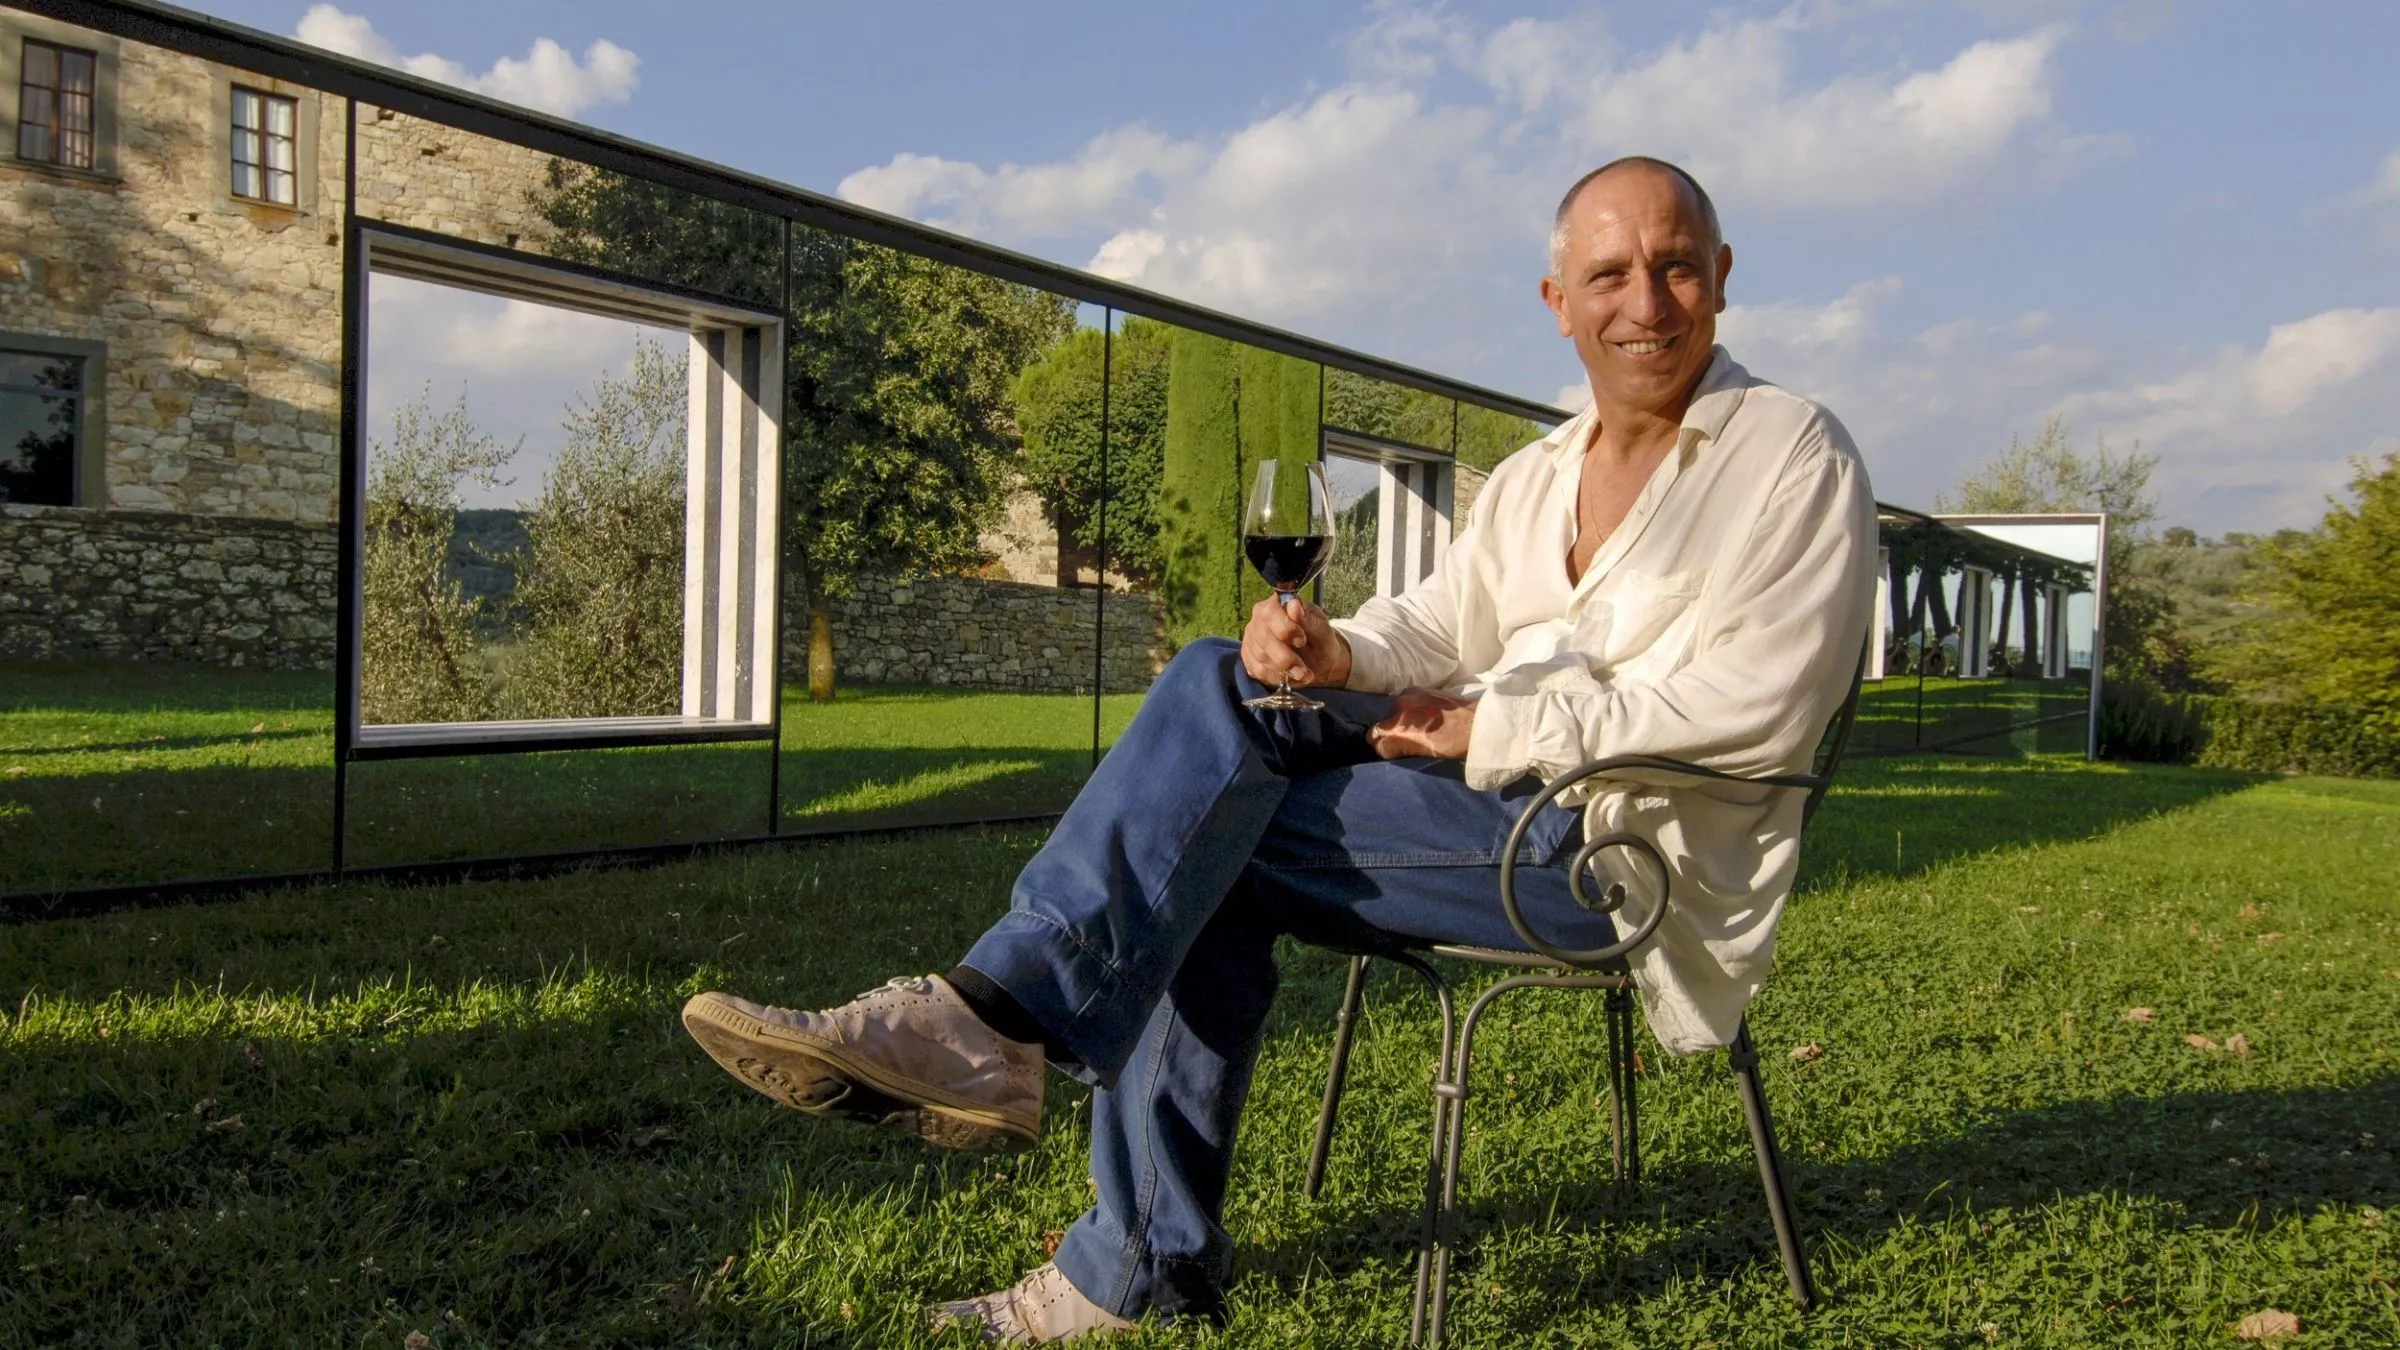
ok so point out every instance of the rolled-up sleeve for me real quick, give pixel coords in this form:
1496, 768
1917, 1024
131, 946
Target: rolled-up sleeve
1412, 638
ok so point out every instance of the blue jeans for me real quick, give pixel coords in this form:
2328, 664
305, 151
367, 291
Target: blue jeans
1142, 935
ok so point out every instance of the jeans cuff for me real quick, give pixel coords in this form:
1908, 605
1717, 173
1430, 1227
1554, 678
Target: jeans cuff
1125, 1278
1062, 985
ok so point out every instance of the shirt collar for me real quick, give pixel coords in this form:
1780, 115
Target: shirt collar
1714, 403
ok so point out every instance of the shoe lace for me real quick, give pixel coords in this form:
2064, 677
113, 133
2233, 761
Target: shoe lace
911, 984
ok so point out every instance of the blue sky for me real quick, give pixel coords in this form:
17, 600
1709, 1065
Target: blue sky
2172, 223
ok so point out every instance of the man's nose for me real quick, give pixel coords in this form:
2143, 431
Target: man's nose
1645, 300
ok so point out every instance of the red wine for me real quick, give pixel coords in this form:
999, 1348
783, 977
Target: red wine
1288, 561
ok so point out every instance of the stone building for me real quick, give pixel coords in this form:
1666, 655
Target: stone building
170, 339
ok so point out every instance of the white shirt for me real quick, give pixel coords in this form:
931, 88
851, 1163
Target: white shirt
1720, 623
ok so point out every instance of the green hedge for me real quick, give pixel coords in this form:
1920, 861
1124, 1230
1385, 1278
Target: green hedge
1228, 407
2295, 738
2140, 723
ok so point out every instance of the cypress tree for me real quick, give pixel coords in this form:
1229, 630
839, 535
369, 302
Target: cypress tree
1199, 508
1228, 408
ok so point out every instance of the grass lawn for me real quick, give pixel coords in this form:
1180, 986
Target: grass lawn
466, 1112
117, 774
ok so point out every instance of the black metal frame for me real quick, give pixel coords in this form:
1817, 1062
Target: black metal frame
1546, 966
210, 39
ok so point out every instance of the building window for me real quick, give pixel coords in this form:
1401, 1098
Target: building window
55, 105
42, 398
265, 166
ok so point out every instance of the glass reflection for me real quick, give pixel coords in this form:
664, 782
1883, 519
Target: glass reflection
553, 801
169, 406
945, 540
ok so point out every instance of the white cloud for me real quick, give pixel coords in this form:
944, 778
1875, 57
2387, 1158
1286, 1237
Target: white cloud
1795, 328
1730, 105
2385, 185
517, 365
1401, 198
547, 77
2248, 437
1100, 183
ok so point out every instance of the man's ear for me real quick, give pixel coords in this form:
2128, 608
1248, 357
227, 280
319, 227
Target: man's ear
1555, 296
1724, 270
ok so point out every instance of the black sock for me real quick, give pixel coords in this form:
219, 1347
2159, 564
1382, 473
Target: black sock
1000, 1010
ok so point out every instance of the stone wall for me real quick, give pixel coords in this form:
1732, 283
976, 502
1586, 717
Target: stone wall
1466, 485
165, 586
221, 323
222, 317
979, 634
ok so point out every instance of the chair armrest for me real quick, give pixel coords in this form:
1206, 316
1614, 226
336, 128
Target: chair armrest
1612, 900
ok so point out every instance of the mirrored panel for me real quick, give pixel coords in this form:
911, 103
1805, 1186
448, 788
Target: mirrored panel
570, 509
1228, 408
170, 338
553, 801
947, 554
1976, 632
2044, 635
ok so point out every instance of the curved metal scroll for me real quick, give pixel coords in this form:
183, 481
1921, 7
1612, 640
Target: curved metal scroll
1613, 899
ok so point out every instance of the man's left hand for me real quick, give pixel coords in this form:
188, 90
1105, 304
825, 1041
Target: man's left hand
1425, 722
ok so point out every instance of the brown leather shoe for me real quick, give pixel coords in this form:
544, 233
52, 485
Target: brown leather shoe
1041, 1309
910, 1056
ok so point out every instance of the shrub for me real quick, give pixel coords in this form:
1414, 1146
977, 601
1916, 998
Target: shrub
2296, 737
2137, 722
601, 580
417, 626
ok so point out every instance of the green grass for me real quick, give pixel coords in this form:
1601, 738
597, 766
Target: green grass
114, 774
890, 755
467, 1112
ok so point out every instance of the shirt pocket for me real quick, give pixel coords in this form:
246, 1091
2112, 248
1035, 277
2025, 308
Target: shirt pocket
1651, 627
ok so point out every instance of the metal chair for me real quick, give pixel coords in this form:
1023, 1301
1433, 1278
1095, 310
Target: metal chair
1545, 966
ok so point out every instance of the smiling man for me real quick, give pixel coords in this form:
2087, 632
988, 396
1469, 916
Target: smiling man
1684, 569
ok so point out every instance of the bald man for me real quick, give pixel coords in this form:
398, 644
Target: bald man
1684, 569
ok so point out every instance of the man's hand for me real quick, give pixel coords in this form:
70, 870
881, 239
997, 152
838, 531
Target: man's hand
1295, 642
1425, 722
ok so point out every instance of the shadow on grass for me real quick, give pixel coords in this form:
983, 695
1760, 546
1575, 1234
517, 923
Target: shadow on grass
120, 688
2217, 1160
157, 744
137, 826
1899, 817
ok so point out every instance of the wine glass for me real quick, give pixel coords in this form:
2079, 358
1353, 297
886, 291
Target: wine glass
1288, 537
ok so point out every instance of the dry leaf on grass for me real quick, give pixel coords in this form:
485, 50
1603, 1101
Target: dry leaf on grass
2265, 938
418, 1340
254, 731
2249, 911
2199, 1042
1051, 1237
229, 1125
2136, 1015
1808, 1052
2266, 1324
436, 945
2238, 1043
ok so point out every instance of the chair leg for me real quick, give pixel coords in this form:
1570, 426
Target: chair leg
1344, 1027
1788, 1239
1616, 1094
1429, 1222
1620, 1009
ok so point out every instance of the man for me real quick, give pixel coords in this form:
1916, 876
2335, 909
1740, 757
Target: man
1684, 569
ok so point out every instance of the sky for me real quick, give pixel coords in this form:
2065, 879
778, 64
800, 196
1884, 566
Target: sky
2173, 225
